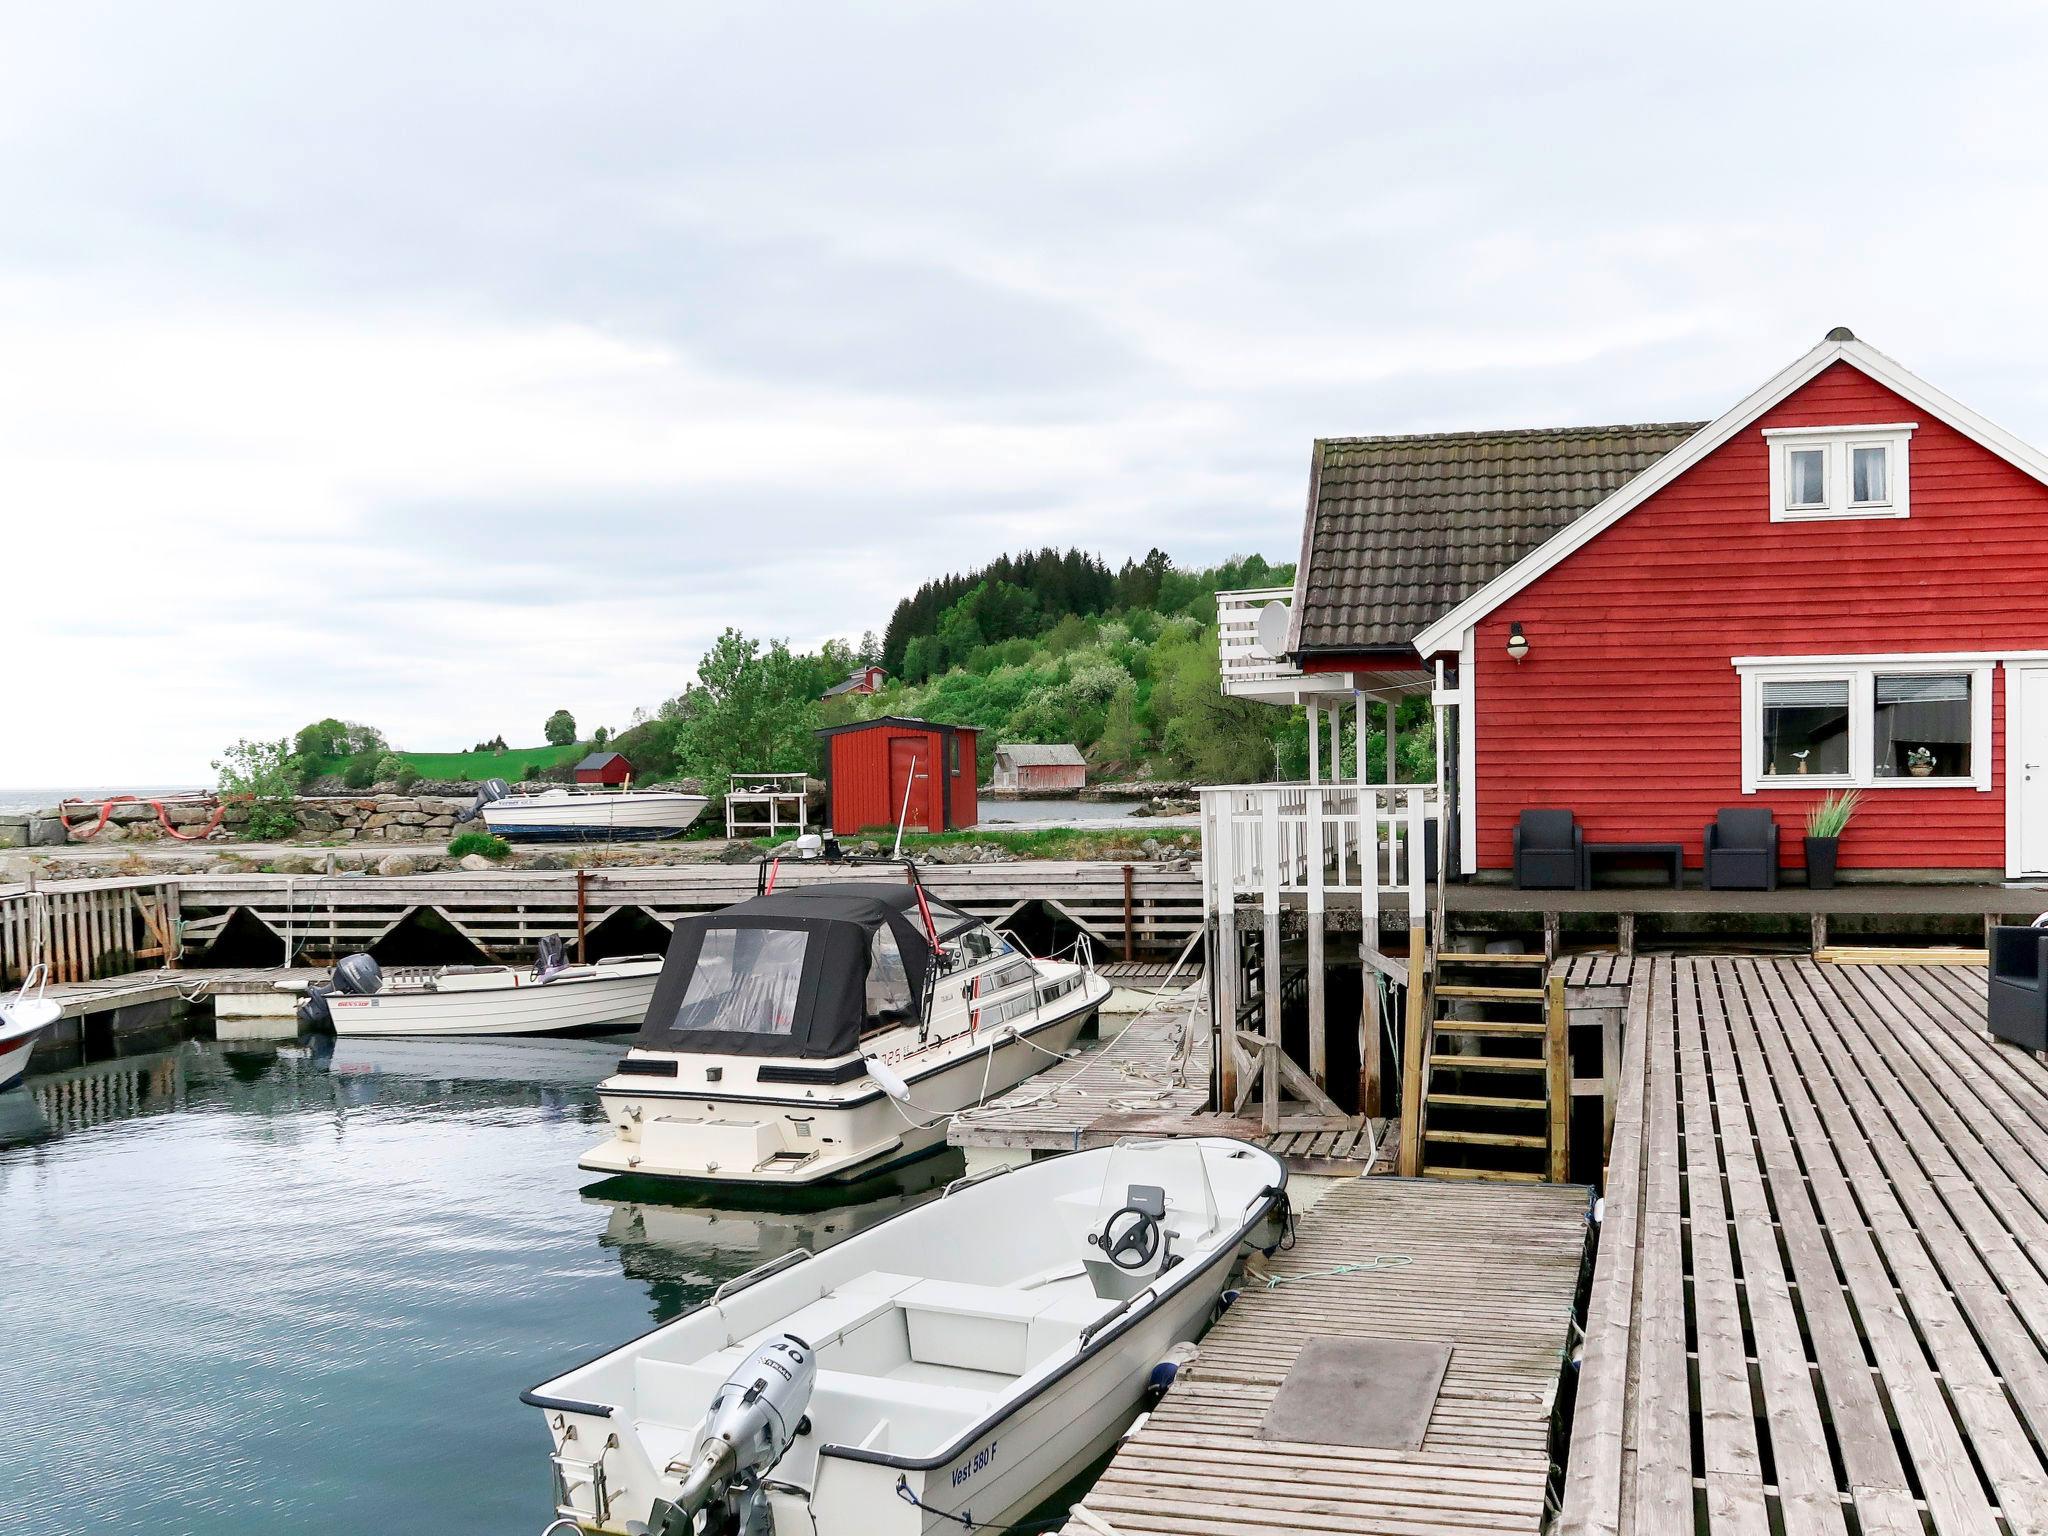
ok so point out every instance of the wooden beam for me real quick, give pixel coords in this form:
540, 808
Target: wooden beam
1291, 1077
1414, 1051
1271, 1085
1318, 1019
1557, 1080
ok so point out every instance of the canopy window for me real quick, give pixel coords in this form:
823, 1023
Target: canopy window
1921, 720
746, 982
1806, 726
888, 996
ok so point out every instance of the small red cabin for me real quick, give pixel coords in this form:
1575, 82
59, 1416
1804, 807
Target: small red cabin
604, 768
875, 768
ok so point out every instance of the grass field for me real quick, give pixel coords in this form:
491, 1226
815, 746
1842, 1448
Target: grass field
509, 764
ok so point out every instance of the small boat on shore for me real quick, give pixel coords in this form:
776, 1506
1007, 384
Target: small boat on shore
822, 1034
945, 1369
449, 1000
596, 815
22, 1019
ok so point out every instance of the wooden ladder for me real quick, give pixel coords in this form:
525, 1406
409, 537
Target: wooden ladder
1486, 1077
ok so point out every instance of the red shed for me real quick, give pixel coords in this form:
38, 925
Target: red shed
873, 766
604, 768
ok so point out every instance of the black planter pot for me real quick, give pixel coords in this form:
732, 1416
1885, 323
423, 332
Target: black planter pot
1820, 862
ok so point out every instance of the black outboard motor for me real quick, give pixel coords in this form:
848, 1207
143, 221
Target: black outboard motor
355, 975
486, 792
550, 959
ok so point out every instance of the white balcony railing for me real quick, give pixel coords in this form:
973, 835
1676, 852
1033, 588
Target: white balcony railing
1249, 669
1265, 841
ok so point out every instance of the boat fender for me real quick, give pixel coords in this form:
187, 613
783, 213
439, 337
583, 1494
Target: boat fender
887, 1079
1169, 1366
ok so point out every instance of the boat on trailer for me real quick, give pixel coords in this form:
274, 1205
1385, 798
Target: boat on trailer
553, 998
823, 1033
593, 815
946, 1369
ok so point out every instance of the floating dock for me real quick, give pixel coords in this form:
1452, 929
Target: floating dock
1822, 1287
1488, 1271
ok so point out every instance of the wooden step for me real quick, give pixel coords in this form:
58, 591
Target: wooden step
1490, 994
1485, 1101
1509, 1175
1490, 1063
1490, 1027
1452, 957
1486, 1138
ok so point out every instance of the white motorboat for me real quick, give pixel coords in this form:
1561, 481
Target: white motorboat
444, 1000
822, 1034
597, 815
22, 1019
946, 1369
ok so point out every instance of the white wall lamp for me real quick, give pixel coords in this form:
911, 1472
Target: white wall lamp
1518, 643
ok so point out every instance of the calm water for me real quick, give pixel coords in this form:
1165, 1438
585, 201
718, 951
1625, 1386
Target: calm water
273, 1288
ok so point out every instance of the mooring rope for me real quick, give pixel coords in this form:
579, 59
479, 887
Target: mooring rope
1365, 1266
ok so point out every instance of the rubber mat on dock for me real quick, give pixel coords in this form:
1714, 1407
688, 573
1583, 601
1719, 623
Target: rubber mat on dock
1375, 1393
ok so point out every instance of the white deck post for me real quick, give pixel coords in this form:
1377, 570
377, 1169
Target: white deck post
1269, 1077
1318, 1044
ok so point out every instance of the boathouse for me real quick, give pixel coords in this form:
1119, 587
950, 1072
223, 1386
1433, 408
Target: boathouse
889, 768
859, 683
1833, 585
1028, 766
604, 768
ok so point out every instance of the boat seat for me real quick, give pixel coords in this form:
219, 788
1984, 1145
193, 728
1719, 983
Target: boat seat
988, 1328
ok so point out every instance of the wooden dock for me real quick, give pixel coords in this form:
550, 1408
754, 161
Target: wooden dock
1821, 1296
1488, 1270
1150, 1078
78, 998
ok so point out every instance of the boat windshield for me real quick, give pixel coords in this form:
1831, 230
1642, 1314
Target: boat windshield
888, 999
745, 981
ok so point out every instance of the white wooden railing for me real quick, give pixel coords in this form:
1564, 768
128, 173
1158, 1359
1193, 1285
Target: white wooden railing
1248, 669
1264, 841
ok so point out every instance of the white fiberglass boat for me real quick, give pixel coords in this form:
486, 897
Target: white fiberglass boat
597, 816
21, 1021
552, 998
948, 1368
825, 1033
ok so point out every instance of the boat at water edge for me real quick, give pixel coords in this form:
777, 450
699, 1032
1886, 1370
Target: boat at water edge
23, 1018
946, 1369
552, 998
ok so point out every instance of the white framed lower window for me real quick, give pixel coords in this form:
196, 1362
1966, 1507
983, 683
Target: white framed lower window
1877, 722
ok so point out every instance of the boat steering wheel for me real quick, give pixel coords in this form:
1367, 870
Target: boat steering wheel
1135, 1245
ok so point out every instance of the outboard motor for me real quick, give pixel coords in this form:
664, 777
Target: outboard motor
756, 1415
550, 959
354, 975
486, 792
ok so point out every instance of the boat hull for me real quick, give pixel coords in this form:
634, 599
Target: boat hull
625, 817
756, 1142
559, 1007
14, 1057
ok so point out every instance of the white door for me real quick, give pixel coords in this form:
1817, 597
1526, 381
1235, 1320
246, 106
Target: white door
2026, 795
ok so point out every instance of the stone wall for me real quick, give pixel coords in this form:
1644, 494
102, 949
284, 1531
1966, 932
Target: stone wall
322, 818
386, 818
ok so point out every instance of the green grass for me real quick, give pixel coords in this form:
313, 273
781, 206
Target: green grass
509, 764
1064, 843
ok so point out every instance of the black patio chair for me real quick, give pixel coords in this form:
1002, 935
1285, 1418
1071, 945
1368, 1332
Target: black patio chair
1550, 852
1741, 850
2018, 1009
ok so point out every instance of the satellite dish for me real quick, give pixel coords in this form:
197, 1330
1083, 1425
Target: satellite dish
1272, 630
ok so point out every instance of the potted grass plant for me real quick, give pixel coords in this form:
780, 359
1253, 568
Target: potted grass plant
1824, 826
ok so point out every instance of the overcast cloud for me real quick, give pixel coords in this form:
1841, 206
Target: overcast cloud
439, 365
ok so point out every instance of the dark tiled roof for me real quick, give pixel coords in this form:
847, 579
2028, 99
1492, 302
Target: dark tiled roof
1403, 529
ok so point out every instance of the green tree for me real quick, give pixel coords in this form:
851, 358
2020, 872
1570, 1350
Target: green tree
753, 710
560, 729
600, 736
266, 773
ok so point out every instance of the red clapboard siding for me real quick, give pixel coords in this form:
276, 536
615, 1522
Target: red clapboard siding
1627, 709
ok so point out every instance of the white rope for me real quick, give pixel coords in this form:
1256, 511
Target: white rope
1081, 1514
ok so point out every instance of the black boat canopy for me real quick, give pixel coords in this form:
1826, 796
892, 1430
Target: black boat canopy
793, 973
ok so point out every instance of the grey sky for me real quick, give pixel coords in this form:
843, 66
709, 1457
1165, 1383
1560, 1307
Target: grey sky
437, 365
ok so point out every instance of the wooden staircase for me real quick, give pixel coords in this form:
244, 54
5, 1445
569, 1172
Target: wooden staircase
1485, 1078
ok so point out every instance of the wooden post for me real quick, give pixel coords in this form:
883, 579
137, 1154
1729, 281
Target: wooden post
582, 915
1371, 986
1557, 1078
1414, 1068
1223, 959
1269, 1077
1318, 1020
1129, 917
1820, 932
1626, 935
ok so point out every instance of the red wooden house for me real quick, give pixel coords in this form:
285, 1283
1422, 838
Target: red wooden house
874, 769
1840, 582
859, 683
604, 768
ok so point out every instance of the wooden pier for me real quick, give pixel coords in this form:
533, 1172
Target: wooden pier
1490, 1271
1821, 1296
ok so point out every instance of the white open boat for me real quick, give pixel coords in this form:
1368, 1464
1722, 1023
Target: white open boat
22, 1019
593, 815
551, 998
822, 1034
957, 1362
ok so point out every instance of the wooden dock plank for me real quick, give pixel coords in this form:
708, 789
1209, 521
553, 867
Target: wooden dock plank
1489, 1270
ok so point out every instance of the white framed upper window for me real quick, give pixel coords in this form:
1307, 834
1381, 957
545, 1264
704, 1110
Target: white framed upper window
1838, 472
1875, 722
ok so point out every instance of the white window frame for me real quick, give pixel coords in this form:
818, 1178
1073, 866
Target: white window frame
1837, 444
1861, 674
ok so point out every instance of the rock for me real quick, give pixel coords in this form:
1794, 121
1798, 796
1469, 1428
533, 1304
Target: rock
476, 863
145, 832
376, 822
14, 830
410, 818
739, 853
547, 861
45, 832
319, 821
295, 864
112, 832
398, 864
131, 811
183, 816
